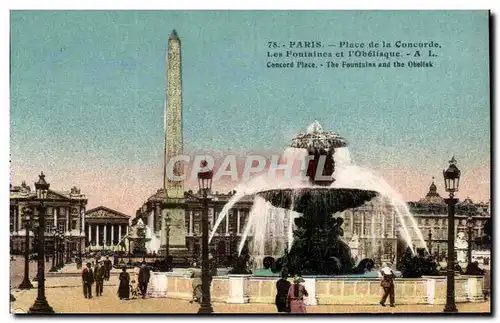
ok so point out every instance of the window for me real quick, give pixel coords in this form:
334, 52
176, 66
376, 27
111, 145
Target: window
347, 223
243, 217
60, 227
196, 228
73, 224
210, 218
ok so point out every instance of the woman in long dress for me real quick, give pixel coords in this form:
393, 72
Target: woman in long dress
124, 287
296, 295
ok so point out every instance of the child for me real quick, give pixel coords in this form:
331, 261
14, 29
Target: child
134, 288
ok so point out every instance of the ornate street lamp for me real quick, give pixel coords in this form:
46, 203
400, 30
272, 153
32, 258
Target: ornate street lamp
167, 240
128, 240
28, 217
451, 182
429, 242
60, 249
54, 251
470, 226
41, 306
68, 248
205, 184
63, 249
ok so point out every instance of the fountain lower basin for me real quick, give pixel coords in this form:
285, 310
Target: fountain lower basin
349, 290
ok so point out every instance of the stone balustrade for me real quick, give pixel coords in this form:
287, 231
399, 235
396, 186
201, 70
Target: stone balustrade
241, 289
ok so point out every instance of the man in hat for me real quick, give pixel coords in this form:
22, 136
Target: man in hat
88, 280
387, 284
144, 275
196, 283
99, 278
107, 268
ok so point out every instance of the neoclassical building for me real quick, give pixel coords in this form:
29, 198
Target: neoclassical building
106, 230
431, 213
65, 211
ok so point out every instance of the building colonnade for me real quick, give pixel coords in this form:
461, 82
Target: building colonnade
105, 234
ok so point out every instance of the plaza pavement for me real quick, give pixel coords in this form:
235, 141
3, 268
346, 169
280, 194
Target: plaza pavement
65, 295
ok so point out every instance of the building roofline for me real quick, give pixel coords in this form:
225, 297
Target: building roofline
101, 207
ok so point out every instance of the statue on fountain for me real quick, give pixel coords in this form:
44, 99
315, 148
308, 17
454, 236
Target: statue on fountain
364, 266
416, 266
241, 263
461, 245
354, 246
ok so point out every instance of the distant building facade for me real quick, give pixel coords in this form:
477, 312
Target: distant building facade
226, 239
65, 211
431, 213
106, 229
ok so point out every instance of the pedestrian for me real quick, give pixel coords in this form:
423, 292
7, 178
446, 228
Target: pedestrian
487, 284
296, 294
387, 284
144, 275
79, 262
196, 284
124, 287
88, 280
99, 278
282, 287
107, 268
137, 269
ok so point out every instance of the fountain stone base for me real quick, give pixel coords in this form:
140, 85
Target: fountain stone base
323, 290
238, 289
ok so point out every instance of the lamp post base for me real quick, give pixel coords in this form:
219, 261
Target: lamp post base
205, 309
26, 284
452, 308
41, 307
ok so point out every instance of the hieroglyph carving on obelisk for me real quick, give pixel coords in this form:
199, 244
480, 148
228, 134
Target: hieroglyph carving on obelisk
173, 134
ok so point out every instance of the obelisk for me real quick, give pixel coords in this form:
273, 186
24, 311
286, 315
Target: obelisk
173, 133
174, 204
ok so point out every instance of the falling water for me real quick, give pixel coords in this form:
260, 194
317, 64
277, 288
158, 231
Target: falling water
274, 226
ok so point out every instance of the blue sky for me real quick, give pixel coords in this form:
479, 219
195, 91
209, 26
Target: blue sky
88, 91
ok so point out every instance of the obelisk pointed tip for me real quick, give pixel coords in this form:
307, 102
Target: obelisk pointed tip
174, 35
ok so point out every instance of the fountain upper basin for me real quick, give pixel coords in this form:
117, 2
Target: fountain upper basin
330, 200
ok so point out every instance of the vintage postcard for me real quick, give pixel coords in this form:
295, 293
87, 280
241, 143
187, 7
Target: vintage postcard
266, 162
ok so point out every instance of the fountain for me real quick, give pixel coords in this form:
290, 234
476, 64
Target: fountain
292, 216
